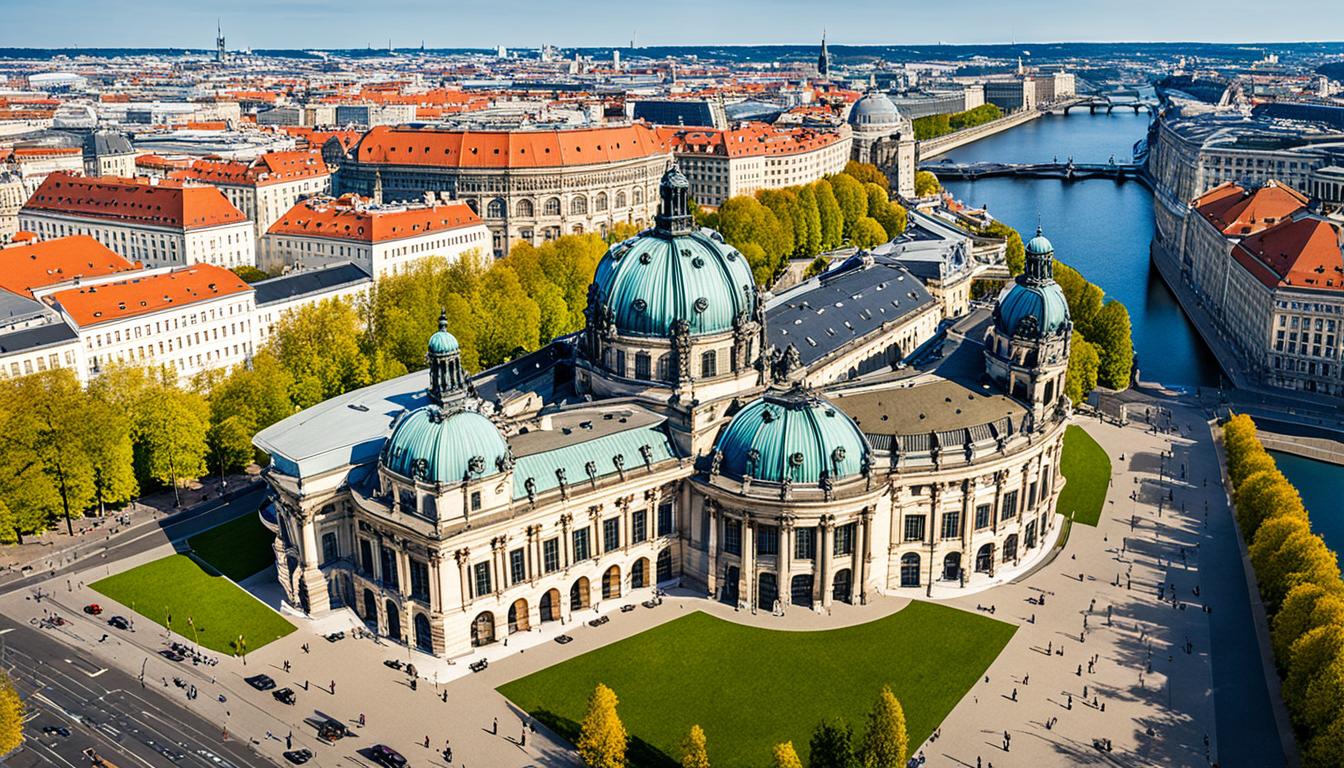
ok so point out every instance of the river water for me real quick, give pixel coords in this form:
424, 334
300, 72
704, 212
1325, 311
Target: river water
1102, 228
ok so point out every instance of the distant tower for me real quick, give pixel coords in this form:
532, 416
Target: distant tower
219, 43
378, 187
616, 59
824, 59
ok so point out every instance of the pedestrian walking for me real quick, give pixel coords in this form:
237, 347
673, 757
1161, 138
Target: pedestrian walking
1026, 679
333, 687
1079, 673
305, 648
286, 666
1069, 705
361, 719
1084, 691
494, 727
1014, 694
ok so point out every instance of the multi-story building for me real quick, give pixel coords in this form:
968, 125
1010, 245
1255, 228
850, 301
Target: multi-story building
886, 138
264, 188
279, 296
380, 239
370, 115
747, 158
674, 443
156, 222
13, 194
108, 154
1012, 94
531, 185
32, 165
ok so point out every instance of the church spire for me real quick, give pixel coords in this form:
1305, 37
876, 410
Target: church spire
824, 59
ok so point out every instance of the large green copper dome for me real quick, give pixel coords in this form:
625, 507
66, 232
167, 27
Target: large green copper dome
795, 435
650, 281
1034, 305
447, 447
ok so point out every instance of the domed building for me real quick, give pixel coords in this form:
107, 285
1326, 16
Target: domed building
794, 452
885, 138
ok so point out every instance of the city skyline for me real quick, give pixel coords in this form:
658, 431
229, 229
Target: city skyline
295, 24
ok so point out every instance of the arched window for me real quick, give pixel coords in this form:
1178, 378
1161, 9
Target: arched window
550, 606
1010, 548
800, 590
578, 206
495, 210
639, 573
767, 591
600, 202
620, 199
424, 640
611, 583
525, 209
578, 595
552, 207
483, 629
984, 559
844, 586
952, 566
518, 620
709, 364
665, 565
393, 621
637, 197
910, 569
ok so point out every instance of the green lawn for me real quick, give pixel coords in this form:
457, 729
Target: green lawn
182, 588
238, 548
1088, 470
750, 688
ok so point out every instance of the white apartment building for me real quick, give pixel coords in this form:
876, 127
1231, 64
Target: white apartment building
264, 188
379, 239
160, 223
749, 157
32, 165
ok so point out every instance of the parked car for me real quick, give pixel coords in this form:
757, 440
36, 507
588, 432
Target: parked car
299, 756
331, 730
56, 730
284, 696
386, 756
93, 609
171, 655
260, 682
120, 622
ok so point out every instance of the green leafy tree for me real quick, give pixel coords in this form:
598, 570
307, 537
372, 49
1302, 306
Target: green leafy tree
867, 173
12, 712
230, 442
893, 219
318, 344
109, 449
602, 736
509, 320
1084, 363
57, 435
1298, 615
1084, 298
1312, 653
170, 427
1110, 331
250, 274
809, 241
779, 202
1324, 749
694, 752
926, 184
832, 746
830, 215
30, 499
886, 744
853, 201
1264, 495
867, 233
785, 756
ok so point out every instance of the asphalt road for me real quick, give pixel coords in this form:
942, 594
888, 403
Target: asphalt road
147, 536
105, 710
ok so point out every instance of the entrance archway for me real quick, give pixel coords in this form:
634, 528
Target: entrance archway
665, 565
639, 573
952, 566
424, 640
910, 569
393, 621
550, 606
767, 591
984, 559
483, 629
578, 595
518, 620
800, 590
611, 583
843, 589
370, 609
731, 578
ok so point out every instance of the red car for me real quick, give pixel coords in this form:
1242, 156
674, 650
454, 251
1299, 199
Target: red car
93, 609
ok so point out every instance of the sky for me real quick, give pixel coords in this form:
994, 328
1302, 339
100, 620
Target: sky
566, 23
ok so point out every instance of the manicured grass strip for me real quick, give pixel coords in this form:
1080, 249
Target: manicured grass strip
238, 549
751, 688
1088, 470
182, 588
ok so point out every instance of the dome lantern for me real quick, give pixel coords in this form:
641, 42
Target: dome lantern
674, 204
446, 379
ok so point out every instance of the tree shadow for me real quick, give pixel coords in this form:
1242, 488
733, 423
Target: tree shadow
639, 754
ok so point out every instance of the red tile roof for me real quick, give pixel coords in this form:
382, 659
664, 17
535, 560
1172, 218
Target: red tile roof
1300, 253
24, 268
508, 149
1237, 213
270, 168
748, 139
350, 218
168, 203
93, 304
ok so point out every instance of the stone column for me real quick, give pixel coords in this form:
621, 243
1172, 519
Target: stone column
435, 585
748, 560
783, 580
967, 527
824, 526
533, 563
626, 532
864, 549
565, 520
462, 556
935, 493
497, 546
712, 548
595, 538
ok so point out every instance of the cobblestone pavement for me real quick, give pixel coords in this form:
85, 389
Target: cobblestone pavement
1158, 694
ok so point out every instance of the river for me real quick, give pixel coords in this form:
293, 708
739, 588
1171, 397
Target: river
1102, 228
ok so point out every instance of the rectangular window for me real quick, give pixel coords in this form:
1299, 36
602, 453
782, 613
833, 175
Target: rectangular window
550, 555
914, 527
982, 516
732, 537
638, 526
389, 564
1009, 510
1031, 495
709, 365
419, 580
366, 557
581, 545
767, 540
611, 534
482, 573
329, 549
665, 518
517, 566
804, 543
620, 362
951, 525
475, 500
642, 365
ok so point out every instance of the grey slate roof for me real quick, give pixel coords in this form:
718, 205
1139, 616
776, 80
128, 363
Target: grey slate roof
36, 337
308, 281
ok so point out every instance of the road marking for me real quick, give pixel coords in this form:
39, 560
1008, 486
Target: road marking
82, 666
6, 630
42, 698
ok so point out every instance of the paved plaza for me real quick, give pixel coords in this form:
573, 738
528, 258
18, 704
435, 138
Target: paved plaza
1115, 643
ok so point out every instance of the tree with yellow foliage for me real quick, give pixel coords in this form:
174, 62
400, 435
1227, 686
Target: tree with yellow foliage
786, 756
1302, 558
1311, 653
1299, 614
1263, 495
886, 744
602, 737
694, 753
11, 716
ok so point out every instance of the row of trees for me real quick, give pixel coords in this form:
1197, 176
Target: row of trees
853, 207
885, 743
933, 126
11, 715
1300, 584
